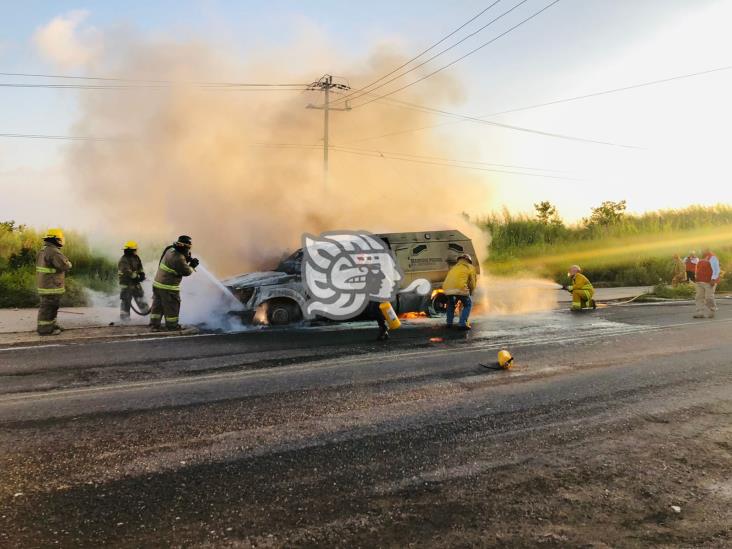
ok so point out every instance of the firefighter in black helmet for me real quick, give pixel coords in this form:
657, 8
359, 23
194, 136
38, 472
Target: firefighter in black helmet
175, 263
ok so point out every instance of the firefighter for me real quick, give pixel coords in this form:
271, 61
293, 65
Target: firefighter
175, 263
708, 273
581, 289
131, 274
679, 275
458, 286
51, 269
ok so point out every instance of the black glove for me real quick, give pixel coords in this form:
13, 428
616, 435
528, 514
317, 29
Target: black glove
193, 262
141, 277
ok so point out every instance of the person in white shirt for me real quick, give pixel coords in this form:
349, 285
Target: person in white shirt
691, 261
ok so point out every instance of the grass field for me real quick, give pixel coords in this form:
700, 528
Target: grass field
18, 248
633, 250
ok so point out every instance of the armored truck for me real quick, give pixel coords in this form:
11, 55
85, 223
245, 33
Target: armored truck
279, 296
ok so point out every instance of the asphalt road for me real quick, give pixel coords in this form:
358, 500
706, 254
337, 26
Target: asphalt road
613, 429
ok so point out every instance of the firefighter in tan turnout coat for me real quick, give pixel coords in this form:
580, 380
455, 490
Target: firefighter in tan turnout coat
51, 268
131, 274
175, 263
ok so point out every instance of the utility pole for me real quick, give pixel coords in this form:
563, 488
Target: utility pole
325, 84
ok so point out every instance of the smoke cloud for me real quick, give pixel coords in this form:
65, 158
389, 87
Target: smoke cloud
66, 42
219, 164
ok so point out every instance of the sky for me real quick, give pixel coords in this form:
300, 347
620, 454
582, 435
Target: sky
664, 146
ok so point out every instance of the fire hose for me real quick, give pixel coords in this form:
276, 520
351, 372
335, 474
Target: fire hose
192, 261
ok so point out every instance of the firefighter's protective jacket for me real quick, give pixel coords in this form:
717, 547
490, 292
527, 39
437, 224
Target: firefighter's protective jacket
679, 267
460, 279
581, 282
129, 269
51, 268
171, 270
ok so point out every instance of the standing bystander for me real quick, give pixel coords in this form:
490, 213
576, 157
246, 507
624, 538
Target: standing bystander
707, 278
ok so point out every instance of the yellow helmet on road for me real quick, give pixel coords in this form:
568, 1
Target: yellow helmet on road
130, 245
58, 234
505, 360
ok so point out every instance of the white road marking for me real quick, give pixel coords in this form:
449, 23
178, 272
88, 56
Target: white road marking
24, 348
338, 362
331, 362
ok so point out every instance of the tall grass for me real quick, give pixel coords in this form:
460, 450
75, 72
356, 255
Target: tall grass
636, 250
18, 248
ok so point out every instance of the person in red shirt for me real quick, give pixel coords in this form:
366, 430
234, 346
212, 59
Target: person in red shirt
691, 262
708, 273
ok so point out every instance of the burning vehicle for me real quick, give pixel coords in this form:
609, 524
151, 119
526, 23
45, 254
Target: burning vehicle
278, 297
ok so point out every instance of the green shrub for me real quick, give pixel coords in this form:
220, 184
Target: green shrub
628, 250
682, 291
18, 248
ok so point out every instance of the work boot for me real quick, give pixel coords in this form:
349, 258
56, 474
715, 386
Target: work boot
175, 328
154, 328
711, 315
383, 335
464, 327
55, 332
698, 316
593, 304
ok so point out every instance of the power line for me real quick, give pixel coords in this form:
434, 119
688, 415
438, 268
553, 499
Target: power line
504, 33
455, 165
553, 102
59, 137
248, 88
314, 146
440, 158
152, 81
614, 90
465, 117
358, 91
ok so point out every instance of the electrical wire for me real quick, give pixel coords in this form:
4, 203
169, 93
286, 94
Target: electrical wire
453, 165
440, 158
408, 157
59, 137
138, 80
471, 52
553, 102
363, 90
465, 117
145, 86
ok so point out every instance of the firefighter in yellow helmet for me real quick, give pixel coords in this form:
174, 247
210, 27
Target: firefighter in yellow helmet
131, 274
175, 263
458, 286
581, 289
51, 269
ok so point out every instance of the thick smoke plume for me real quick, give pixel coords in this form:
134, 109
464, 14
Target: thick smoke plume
218, 165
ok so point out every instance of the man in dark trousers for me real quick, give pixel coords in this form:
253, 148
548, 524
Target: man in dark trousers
131, 274
175, 263
51, 269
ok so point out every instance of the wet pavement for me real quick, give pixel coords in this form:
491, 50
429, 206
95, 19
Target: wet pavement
323, 436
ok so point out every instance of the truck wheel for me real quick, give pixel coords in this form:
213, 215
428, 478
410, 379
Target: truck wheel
438, 305
281, 312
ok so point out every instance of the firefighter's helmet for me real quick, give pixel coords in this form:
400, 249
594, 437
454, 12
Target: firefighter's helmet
184, 241
56, 234
130, 245
505, 360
